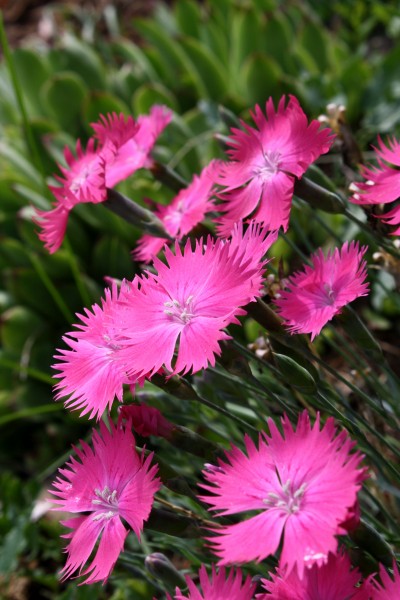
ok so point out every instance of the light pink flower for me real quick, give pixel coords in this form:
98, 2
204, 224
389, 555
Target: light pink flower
135, 153
303, 484
259, 179
185, 211
335, 580
104, 485
90, 371
185, 308
382, 185
219, 587
316, 294
389, 587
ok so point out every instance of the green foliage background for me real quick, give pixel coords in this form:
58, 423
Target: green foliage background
193, 57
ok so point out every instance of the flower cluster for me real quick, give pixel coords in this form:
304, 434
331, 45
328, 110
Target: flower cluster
298, 485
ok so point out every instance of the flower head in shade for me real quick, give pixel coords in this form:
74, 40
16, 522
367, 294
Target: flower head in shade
185, 211
219, 586
389, 586
259, 179
89, 370
146, 420
135, 153
186, 306
382, 185
103, 485
336, 580
316, 294
303, 484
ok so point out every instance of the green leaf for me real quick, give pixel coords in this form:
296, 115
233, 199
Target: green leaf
188, 17
246, 38
112, 256
64, 95
277, 40
152, 93
260, 76
74, 55
101, 103
209, 69
32, 72
136, 58
18, 324
295, 374
315, 42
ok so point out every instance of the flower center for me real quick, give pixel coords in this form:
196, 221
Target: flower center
269, 167
287, 498
180, 313
330, 294
106, 502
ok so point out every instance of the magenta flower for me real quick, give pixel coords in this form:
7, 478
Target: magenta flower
186, 307
219, 587
106, 484
90, 371
258, 181
316, 294
383, 182
185, 211
303, 484
389, 587
146, 420
84, 178
335, 580
134, 154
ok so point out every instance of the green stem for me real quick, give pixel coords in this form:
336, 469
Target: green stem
86, 299
54, 293
30, 412
34, 373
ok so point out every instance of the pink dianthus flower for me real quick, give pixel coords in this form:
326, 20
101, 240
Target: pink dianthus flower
258, 182
90, 371
388, 588
335, 580
134, 154
84, 179
106, 484
219, 587
185, 211
383, 182
304, 484
316, 294
186, 306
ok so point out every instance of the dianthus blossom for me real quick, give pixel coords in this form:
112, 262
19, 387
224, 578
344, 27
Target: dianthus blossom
382, 185
389, 586
134, 154
177, 317
218, 587
315, 295
120, 146
105, 484
336, 580
185, 211
90, 372
303, 484
258, 181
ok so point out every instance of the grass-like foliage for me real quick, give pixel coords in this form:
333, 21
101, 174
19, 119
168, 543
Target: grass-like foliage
199, 249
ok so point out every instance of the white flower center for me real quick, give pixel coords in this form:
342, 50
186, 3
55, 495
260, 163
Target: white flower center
287, 498
180, 313
106, 502
269, 167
